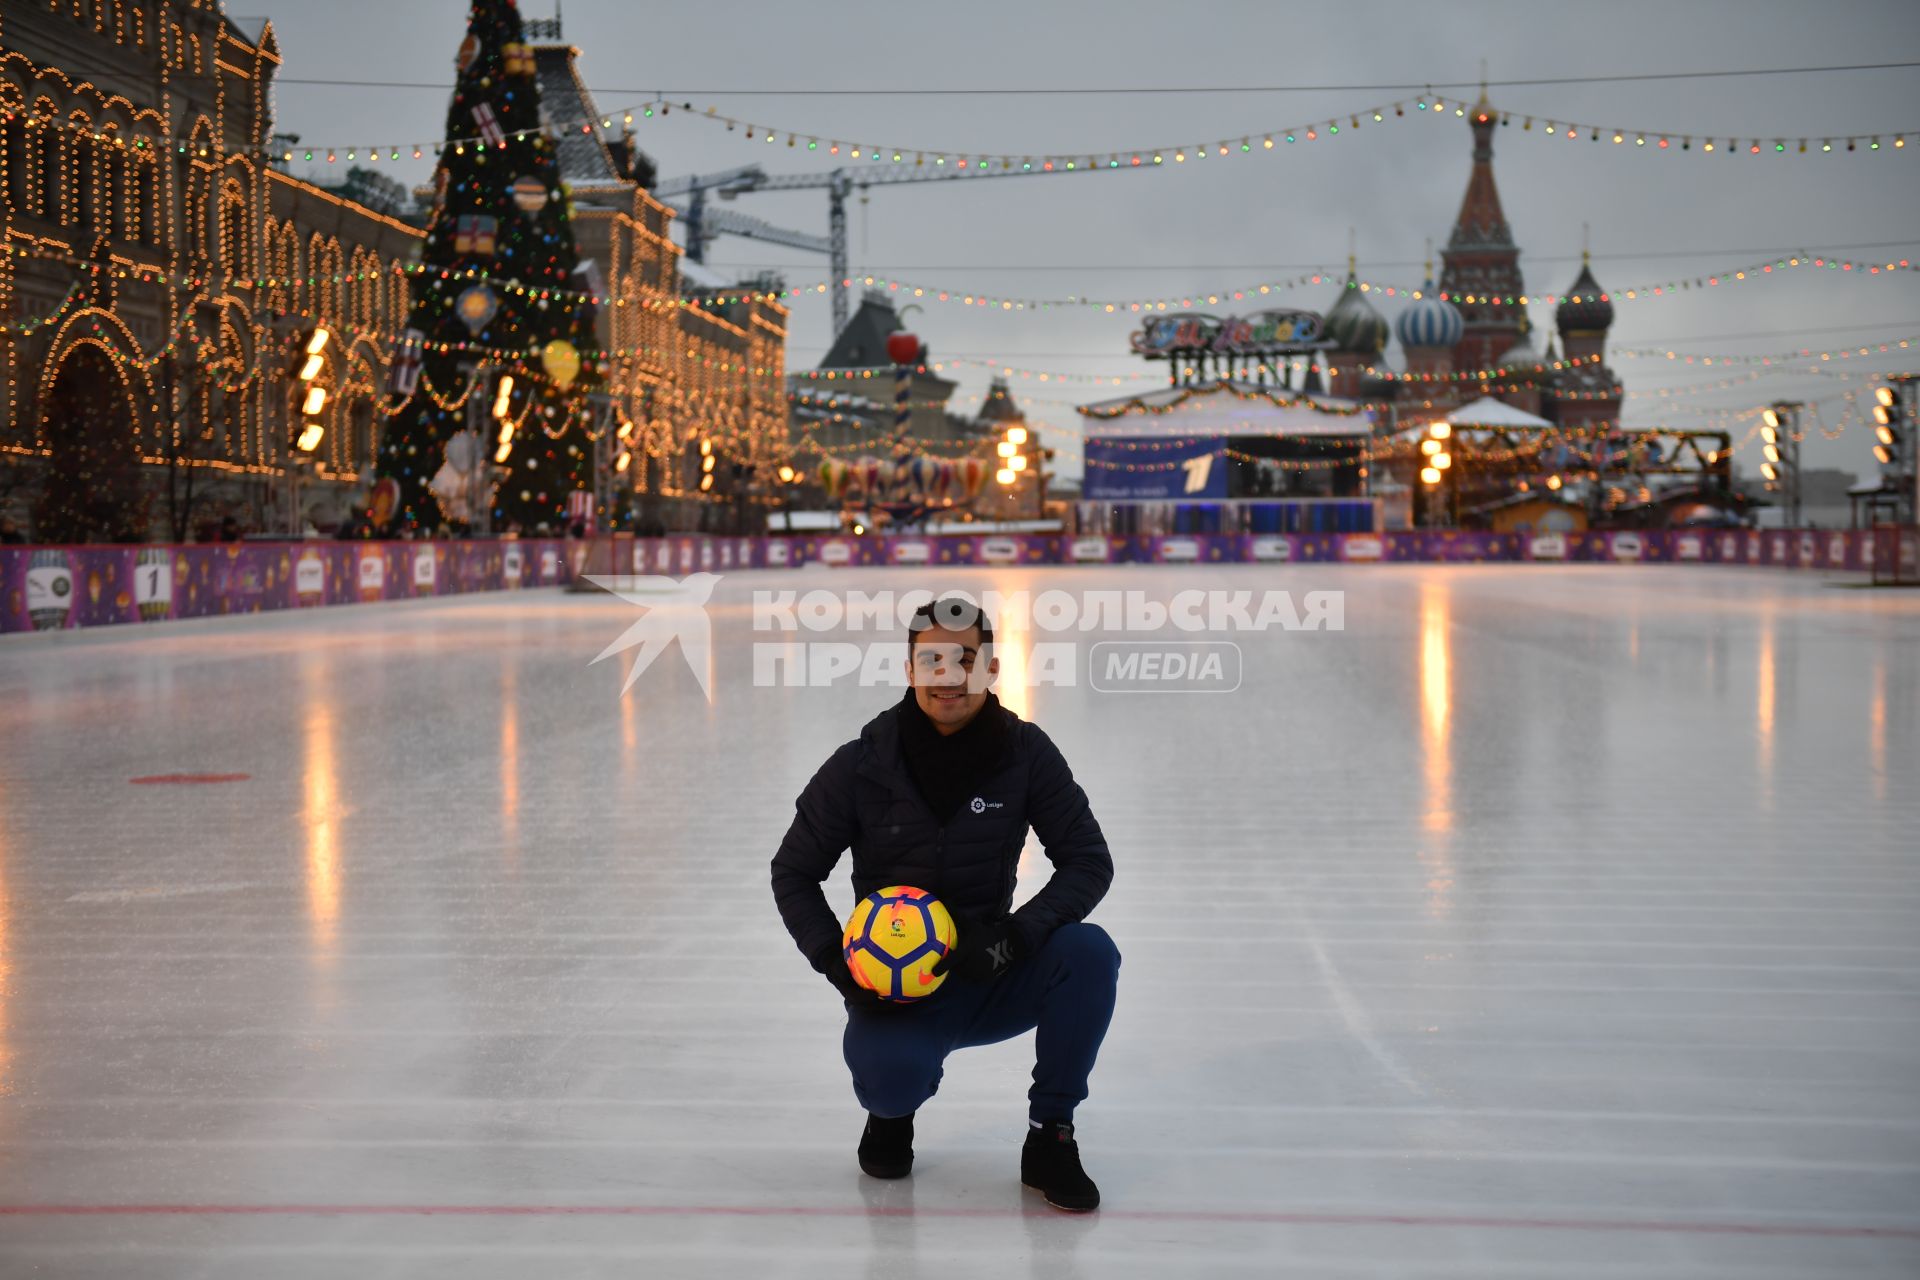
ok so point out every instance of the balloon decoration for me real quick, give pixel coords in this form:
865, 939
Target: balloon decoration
918, 478
382, 501
562, 362
973, 472
903, 347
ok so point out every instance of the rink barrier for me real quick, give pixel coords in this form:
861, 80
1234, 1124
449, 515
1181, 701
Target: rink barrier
58, 588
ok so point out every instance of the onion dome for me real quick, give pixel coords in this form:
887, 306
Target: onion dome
1520, 362
1521, 354
1353, 324
1430, 322
1585, 309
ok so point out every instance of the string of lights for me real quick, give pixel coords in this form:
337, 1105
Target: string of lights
1881, 346
1253, 292
1852, 268
1264, 140
1424, 105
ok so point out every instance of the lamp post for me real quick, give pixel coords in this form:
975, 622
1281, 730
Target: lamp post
312, 399
1780, 437
1897, 442
1438, 462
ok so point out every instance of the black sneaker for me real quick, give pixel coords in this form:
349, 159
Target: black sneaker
1050, 1164
886, 1147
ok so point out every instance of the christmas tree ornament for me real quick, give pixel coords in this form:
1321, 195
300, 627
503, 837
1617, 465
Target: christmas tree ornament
489, 126
475, 234
409, 353
477, 306
561, 360
530, 195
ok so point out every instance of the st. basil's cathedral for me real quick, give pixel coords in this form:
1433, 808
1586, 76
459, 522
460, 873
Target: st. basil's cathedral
1475, 323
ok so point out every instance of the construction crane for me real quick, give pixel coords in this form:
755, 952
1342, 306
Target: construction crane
703, 223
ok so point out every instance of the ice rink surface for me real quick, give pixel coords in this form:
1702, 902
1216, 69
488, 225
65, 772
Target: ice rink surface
1541, 923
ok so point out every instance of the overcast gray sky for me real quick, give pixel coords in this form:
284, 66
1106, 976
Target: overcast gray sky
1221, 225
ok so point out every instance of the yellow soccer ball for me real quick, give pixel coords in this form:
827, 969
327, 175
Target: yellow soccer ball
894, 938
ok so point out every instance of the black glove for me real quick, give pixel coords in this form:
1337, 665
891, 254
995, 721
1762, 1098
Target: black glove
832, 964
984, 952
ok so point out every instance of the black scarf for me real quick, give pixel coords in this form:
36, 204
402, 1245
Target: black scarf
949, 768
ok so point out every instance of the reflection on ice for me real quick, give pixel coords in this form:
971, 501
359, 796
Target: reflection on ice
1441, 959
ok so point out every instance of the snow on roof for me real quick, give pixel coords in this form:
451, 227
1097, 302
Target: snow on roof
565, 102
1488, 412
699, 275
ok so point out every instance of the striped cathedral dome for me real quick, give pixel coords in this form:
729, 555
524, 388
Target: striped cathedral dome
1353, 324
1430, 322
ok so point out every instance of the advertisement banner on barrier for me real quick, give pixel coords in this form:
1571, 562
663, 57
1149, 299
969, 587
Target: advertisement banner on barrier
310, 578
909, 551
1266, 548
1450, 545
1001, 550
153, 583
373, 574
1362, 547
1626, 546
1546, 546
1195, 548
48, 588
423, 571
1090, 550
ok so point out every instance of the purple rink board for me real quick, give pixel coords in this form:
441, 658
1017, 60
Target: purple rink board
54, 588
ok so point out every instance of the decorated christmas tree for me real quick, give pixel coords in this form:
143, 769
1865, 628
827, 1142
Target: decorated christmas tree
499, 299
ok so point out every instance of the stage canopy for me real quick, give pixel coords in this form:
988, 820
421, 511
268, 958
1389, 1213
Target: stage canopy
1219, 409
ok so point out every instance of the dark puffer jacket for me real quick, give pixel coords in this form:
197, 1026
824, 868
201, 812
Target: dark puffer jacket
865, 799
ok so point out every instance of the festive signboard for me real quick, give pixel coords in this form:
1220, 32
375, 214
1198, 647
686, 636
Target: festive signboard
1262, 333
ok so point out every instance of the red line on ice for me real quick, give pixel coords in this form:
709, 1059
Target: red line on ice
188, 779
1254, 1217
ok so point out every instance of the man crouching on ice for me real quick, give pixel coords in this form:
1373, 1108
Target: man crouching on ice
938, 792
